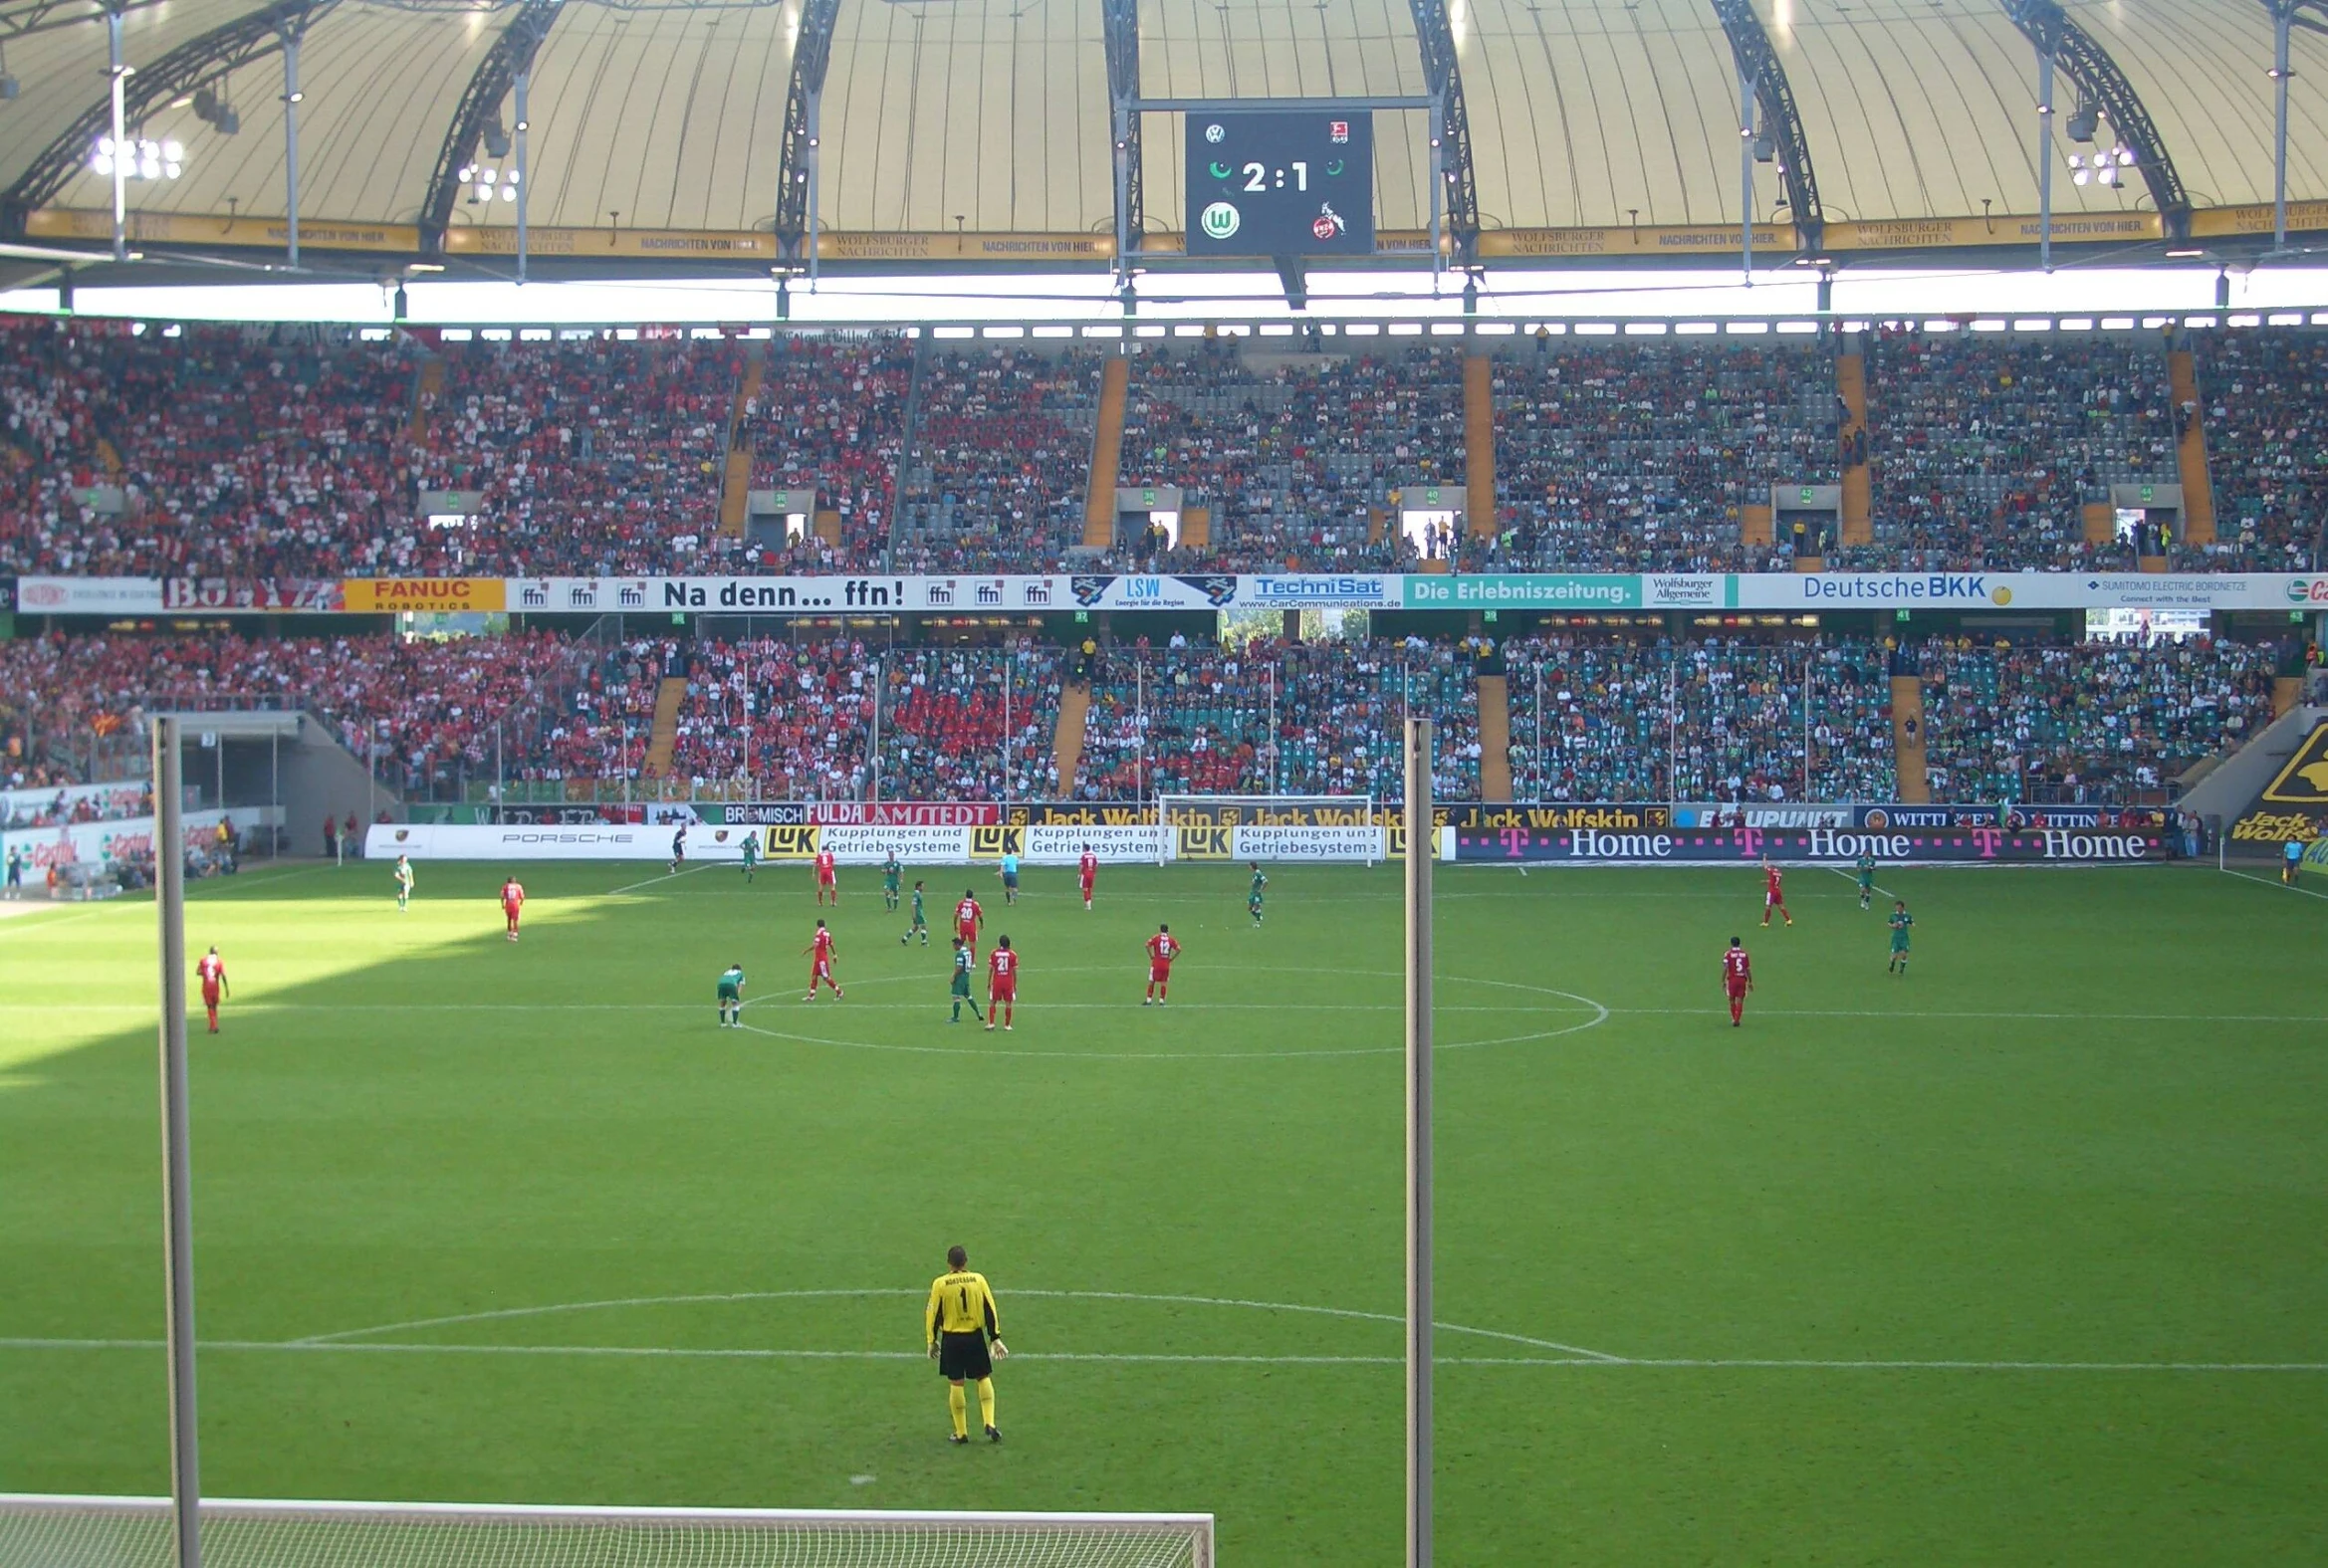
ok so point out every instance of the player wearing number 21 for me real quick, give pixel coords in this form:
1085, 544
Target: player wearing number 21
962, 1325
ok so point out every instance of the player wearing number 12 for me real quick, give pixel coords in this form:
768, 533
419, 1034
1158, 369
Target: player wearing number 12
1163, 948
962, 1326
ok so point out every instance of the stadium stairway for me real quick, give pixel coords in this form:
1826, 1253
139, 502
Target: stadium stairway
1858, 487
2236, 783
2190, 449
1115, 379
1479, 452
1495, 738
1066, 740
425, 386
1908, 764
663, 739
736, 481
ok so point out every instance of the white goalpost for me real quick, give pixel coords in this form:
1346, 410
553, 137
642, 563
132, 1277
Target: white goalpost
44, 1531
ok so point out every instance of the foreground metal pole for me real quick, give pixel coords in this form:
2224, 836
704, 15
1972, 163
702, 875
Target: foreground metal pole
1746, 170
2046, 156
169, 887
2282, 18
119, 75
525, 175
290, 101
1419, 849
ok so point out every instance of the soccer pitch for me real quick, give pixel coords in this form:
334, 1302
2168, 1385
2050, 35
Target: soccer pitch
2016, 1259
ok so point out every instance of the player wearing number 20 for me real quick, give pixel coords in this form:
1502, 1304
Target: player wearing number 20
960, 1324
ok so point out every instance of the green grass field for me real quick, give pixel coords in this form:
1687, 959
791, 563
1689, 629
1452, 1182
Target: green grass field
2019, 1260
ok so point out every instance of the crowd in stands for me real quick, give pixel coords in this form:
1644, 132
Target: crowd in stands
593, 456
1985, 448
1633, 456
830, 414
1301, 460
1276, 719
189, 450
199, 451
967, 723
795, 718
432, 714
1593, 717
1001, 462
2098, 722
1596, 718
2266, 422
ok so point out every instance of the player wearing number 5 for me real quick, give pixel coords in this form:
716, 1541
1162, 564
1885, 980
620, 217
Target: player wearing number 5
961, 1327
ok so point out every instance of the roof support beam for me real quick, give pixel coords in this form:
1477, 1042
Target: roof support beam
1757, 63
2100, 82
46, 16
1458, 189
796, 157
189, 66
1120, 29
511, 54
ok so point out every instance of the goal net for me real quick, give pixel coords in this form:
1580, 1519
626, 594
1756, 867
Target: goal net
1344, 828
39, 1532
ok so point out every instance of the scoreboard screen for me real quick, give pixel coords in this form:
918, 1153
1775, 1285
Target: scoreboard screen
1281, 182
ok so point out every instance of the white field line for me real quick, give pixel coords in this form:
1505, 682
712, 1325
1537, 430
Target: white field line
1673, 1363
2267, 882
666, 876
1853, 877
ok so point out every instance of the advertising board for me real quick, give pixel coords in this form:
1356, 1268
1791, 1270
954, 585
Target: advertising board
1813, 847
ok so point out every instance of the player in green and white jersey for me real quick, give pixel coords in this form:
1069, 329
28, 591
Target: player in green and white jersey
962, 976
732, 997
404, 884
892, 871
1866, 878
751, 854
1901, 921
1252, 897
921, 921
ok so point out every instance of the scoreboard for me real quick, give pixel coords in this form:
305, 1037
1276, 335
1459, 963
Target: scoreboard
1281, 182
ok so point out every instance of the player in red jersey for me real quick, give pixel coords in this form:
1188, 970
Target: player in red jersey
513, 902
211, 972
827, 878
1737, 978
968, 920
1087, 872
1002, 983
820, 951
1774, 896
1162, 950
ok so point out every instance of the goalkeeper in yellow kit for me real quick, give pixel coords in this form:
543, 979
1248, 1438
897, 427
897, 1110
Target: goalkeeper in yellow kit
960, 1325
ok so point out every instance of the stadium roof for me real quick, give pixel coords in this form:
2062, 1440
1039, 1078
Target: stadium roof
981, 131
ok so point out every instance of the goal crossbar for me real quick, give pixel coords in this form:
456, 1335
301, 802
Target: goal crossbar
54, 1531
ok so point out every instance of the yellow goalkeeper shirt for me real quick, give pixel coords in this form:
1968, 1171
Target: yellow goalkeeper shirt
961, 1304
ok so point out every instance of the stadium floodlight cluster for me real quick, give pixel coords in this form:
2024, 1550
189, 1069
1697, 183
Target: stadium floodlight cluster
134, 1532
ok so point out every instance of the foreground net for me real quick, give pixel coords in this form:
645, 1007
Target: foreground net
134, 1532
